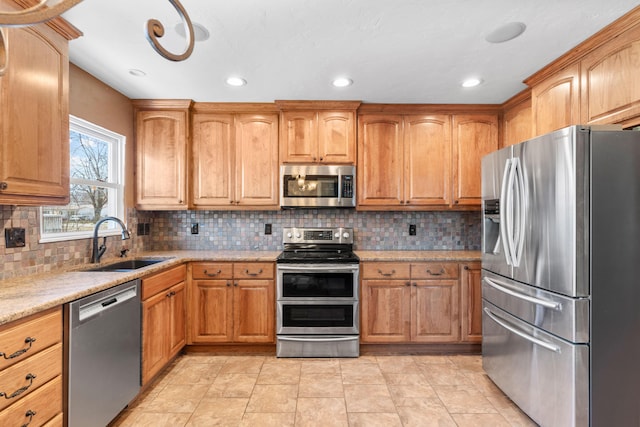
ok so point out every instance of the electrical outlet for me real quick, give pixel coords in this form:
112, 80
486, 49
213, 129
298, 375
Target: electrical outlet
267, 229
14, 237
143, 229
147, 227
195, 228
412, 229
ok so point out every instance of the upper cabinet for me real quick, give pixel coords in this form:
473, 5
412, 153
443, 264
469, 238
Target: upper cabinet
516, 119
34, 111
234, 157
161, 154
318, 131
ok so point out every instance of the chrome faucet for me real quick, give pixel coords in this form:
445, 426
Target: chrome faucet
99, 251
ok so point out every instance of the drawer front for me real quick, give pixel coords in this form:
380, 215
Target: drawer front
23, 378
211, 270
36, 409
55, 421
162, 281
21, 339
434, 270
253, 270
385, 270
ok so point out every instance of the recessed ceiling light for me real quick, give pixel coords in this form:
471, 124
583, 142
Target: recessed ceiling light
236, 81
200, 33
472, 82
137, 73
506, 32
342, 82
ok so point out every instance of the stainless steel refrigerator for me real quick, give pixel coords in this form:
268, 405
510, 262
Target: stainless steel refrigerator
561, 276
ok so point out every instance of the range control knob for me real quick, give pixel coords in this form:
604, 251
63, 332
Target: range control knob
337, 235
289, 235
298, 235
345, 235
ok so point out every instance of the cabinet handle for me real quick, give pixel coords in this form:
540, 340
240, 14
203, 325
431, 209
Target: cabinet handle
228, 284
456, 202
466, 267
252, 274
20, 352
29, 414
235, 284
408, 284
415, 284
170, 294
321, 159
18, 392
314, 159
212, 274
3, 185
386, 274
231, 201
440, 273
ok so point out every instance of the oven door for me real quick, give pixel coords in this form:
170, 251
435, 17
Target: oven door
318, 317
313, 281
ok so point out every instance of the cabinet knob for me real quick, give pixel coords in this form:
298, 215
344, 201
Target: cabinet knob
231, 202
235, 284
3, 185
408, 284
321, 159
228, 284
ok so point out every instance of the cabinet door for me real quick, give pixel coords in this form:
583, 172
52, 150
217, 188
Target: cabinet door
386, 309
161, 142
155, 337
471, 302
434, 311
298, 137
212, 311
337, 137
555, 102
254, 311
257, 160
380, 161
427, 160
474, 136
212, 152
517, 124
34, 139
178, 324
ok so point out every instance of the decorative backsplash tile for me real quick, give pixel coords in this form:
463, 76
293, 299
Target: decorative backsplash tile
237, 230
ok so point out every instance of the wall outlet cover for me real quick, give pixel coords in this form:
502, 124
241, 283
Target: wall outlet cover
14, 237
195, 228
412, 229
267, 229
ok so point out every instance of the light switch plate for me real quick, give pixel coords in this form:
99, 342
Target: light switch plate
14, 237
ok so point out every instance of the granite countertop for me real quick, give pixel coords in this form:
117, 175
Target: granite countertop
26, 295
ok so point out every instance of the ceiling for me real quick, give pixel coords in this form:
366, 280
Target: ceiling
395, 51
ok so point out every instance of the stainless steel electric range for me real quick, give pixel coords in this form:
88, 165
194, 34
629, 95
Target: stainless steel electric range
317, 294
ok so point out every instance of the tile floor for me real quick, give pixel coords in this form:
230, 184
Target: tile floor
370, 391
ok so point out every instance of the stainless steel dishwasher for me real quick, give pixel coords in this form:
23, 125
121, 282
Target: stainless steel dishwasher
102, 349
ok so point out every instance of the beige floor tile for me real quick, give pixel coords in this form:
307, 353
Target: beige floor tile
242, 365
194, 373
464, 399
444, 375
511, 412
483, 383
273, 398
363, 373
202, 358
179, 398
263, 419
222, 411
364, 419
321, 385
405, 379
320, 366
429, 413
232, 385
480, 420
138, 418
279, 373
402, 395
398, 365
468, 363
321, 412
368, 398
432, 359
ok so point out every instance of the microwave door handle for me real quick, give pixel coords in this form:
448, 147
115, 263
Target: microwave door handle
339, 186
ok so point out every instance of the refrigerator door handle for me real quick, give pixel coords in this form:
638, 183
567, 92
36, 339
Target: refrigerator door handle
521, 334
520, 201
504, 234
547, 304
509, 212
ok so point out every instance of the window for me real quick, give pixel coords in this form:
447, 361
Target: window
96, 180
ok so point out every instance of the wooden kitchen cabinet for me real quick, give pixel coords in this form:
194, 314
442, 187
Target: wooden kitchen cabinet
555, 101
318, 131
404, 161
474, 136
163, 319
516, 119
232, 303
235, 159
31, 369
34, 115
162, 132
471, 301
409, 303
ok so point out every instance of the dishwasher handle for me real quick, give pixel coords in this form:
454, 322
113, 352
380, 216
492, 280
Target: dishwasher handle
110, 302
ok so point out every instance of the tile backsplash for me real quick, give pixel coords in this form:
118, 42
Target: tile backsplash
237, 230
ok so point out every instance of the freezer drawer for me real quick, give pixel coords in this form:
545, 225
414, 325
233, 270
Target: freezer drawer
563, 316
545, 376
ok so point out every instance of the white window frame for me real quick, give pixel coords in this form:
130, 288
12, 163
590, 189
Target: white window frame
117, 145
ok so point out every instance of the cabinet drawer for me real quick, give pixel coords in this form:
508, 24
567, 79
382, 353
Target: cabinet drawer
55, 421
434, 270
37, 408
385, 270
162, 281
253, 270
23, 378
211, 270
21, 339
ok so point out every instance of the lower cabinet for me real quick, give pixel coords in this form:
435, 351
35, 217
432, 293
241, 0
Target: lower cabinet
163, 319
232, 303
420, 302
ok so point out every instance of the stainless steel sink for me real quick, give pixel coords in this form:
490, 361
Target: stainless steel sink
128, 265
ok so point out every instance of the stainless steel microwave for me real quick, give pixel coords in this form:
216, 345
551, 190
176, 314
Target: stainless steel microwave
317, 186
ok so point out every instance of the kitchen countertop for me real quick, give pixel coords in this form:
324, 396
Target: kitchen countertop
26, 295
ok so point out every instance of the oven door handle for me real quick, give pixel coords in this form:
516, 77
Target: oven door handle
319, 339
316, 267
